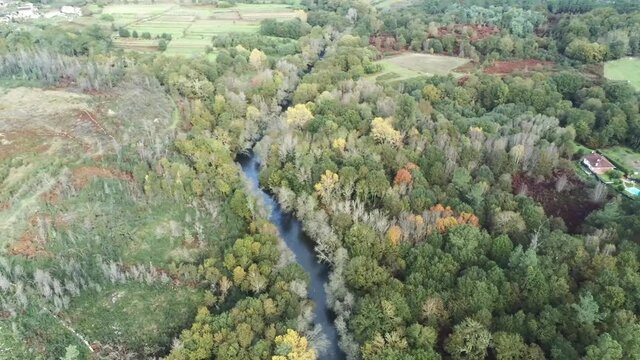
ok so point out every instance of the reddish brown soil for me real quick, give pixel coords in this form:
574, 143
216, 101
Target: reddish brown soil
593, 71
572, 204
466, 68
28, 244
508, 67
82, 175
52, 196
471, 32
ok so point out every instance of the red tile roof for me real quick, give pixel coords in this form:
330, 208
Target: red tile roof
598, 161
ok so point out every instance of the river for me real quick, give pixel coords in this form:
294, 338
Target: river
301, 245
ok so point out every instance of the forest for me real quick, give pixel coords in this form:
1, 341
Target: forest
453, 211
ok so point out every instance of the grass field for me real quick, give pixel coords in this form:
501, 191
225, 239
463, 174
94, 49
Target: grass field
388, 4
139, 317
191, 27
625, 156
410, 65
627, 69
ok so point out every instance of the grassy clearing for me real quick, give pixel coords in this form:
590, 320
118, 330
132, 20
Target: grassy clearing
627, 69
139, 317
388, 4
191, 27
410, 65
625, 156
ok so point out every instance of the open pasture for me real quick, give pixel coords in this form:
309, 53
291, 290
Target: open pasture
410, 65
627, 69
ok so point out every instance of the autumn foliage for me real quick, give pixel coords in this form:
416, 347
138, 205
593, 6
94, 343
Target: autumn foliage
447, 218
402, 177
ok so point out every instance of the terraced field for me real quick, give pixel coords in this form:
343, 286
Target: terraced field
191, 27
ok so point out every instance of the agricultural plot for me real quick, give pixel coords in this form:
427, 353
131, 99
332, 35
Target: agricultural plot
627, 69
412, 65
191, 27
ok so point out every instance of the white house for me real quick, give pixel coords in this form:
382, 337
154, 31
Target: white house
27, 11
71, 10
52, 14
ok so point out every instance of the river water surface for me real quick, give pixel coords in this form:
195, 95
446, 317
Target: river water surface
290, 230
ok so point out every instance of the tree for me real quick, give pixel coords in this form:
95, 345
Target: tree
618, 43
605, 349
509, 346
587, 310
298, 115
431, 93
257, 59
328, 182
403, 177
71, 353
469, 340
292, 346
583, 50
382, 130
123, 32
162, 45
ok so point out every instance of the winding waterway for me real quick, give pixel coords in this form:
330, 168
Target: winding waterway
290, 230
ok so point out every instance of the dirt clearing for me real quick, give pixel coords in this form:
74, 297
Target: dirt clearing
508, 67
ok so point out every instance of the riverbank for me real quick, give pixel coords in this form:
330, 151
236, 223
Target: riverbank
290, 230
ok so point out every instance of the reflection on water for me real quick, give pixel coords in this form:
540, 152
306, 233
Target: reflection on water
290, 230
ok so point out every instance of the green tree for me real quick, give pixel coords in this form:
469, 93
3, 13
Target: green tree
469, 340
605, 349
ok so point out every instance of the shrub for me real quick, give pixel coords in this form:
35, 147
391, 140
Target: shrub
162, 45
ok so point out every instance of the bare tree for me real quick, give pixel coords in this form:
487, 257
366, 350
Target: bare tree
599, 193
561, 183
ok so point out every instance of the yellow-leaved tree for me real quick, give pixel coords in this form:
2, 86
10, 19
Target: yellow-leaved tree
382, 130
298, 115
257, 59
292, 346
328, 182
339, 144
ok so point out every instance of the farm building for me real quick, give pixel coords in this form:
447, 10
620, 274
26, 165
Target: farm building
598, 164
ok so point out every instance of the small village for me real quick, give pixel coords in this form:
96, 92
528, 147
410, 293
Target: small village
17, 11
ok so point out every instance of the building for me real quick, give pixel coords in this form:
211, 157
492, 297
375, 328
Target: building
27, 11
598, 164
71, 10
